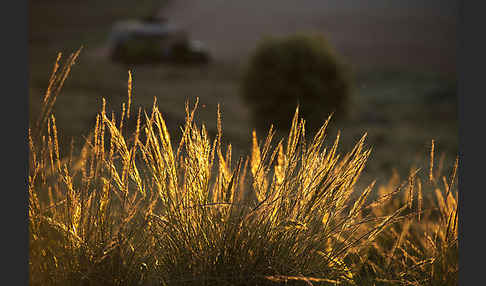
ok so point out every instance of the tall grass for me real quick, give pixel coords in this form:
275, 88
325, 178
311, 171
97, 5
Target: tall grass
138, 209
423, 248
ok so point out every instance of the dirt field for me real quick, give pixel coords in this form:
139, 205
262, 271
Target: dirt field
403, 53
411, 34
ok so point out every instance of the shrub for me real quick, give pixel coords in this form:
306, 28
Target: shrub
295, 70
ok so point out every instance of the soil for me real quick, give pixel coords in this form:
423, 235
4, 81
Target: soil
412, 34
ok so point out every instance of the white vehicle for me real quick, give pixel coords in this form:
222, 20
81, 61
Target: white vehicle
154, 40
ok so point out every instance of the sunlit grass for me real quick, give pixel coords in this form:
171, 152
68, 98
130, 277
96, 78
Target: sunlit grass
139, 209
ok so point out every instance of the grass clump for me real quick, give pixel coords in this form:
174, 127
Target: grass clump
134, 209
423, 248
299, 69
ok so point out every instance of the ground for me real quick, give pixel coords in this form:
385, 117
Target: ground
403, 54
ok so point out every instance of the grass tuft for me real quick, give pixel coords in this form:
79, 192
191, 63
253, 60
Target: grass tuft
130, 209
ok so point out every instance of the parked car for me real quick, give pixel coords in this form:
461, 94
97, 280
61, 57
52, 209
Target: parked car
154, 40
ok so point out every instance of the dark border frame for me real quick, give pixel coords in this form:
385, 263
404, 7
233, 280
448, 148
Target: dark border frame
14, 116
471, 60
15, 87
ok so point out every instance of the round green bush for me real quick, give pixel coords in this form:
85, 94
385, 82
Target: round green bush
302, 70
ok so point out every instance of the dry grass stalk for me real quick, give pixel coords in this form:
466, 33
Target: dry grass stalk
125, 212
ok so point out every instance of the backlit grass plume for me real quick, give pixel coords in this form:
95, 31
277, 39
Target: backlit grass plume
138, 209
423, 248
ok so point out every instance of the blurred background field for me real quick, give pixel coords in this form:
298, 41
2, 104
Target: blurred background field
403, 55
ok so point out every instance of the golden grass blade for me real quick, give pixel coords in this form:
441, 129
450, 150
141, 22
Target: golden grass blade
411, 186
255, 155
122, 118
451, 223
446, 186
419, 199
47, 97
187, 125
454, 225
441, 202
431, 175
129, 93
358, 205
228, 156
52, 79
50, 147
308, 280
403, 233
280, 167
229, 193
219, 125
137, 128
454, 172
385, 223
56, 83
294, 135
223, 167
